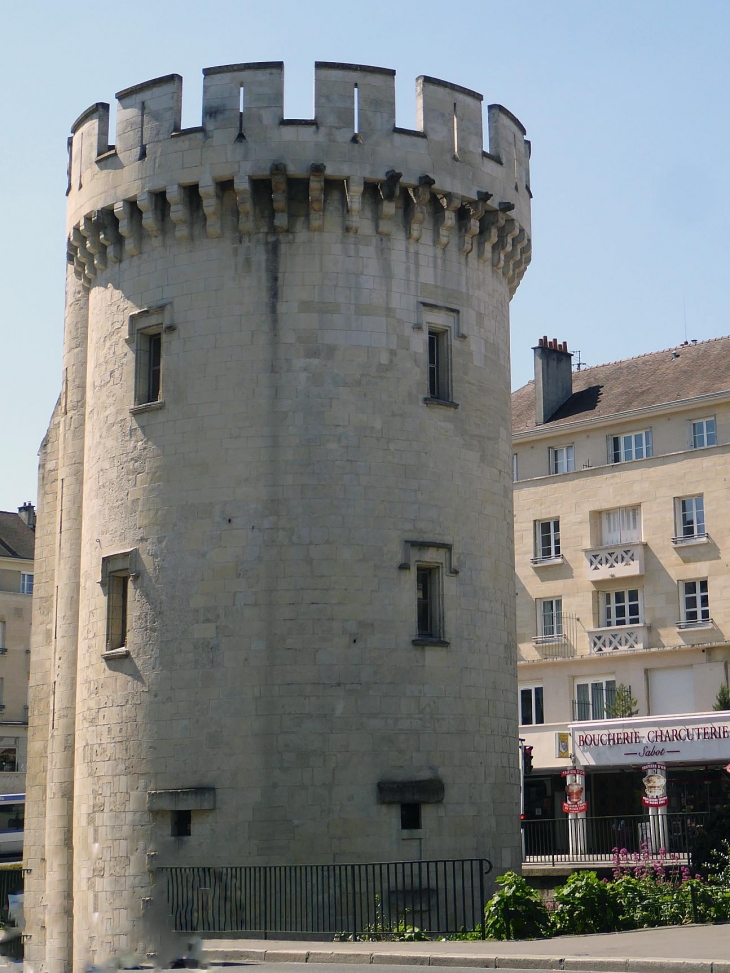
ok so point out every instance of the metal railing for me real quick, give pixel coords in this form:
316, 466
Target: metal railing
591, 840
604, 703
374, 900
562, 639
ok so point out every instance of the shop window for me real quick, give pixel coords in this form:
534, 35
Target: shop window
9, 760
531, 706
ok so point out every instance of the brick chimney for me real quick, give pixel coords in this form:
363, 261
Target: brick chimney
553, 377
27, 514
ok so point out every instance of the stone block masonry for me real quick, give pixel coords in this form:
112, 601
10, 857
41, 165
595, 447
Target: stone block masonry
275, 496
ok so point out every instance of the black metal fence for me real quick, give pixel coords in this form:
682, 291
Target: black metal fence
668, 837
374, 900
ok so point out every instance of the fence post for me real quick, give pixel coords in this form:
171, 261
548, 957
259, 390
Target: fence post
482, 903
266, 902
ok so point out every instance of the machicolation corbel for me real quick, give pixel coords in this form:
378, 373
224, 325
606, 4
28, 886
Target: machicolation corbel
211, 200
389, 192
354, 187
242, 189
179, 211
451, 203
421, 196
280, 197
128, 229
316, 196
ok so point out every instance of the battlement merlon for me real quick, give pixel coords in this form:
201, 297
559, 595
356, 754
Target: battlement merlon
243, 131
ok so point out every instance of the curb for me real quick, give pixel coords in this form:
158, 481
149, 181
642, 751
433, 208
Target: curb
579, 964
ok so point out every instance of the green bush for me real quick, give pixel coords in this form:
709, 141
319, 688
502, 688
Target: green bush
516, 911
583, 905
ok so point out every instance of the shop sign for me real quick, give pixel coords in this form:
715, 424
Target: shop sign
655, 785
575, 788
673, 739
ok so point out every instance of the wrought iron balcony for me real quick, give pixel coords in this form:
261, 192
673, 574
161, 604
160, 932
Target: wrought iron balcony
615, 561
618, 637
561, 643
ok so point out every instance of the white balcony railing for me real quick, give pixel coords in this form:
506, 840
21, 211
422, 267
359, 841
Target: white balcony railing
615, 561
618, 637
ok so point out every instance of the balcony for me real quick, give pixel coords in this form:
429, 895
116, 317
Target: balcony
561, 642
618, 637
615, 561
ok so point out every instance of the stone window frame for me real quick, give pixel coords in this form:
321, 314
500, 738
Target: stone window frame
438, 557
117, 570
144, 325
443, 324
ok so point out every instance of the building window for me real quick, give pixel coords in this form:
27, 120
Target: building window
116, 571
410, 817
695, 602
514, 467
3, 647
622, 525
622, 449
547, 538
9, 760
690, 517
439, 385
2, 694
181, 824
562, 459
594, 700
702, 432
117, 602
148, 362
428, 602
550, 618
26, 584
531, 706
621, 608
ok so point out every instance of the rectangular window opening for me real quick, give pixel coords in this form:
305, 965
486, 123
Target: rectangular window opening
547, 538
551, 618
149, 366
241, 107
428, 602
623, 449
594, 700
356, 110
438, 365
622, 608
456, 133
410, 817
181, 824
703, 433
117, 604
532, 712
691, 517
622, 525
26, 583
562, 459
695, 602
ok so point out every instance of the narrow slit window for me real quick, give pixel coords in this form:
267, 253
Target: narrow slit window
149, 366
117, 610
356, 110
428, 609
438, 365
241, 106
456, 133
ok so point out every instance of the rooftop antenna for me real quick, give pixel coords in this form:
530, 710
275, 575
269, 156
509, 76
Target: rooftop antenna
579, 361
684, 311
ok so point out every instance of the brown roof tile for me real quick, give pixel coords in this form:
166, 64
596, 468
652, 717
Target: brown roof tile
659, 378
16, 538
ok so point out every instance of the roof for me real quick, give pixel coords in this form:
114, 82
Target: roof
660, 378
16, 538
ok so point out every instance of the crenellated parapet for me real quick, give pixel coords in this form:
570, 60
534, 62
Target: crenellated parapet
246, 169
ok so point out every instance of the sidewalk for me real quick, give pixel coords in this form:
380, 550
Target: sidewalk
674, 949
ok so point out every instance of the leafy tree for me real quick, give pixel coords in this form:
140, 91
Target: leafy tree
723, 698
622, 704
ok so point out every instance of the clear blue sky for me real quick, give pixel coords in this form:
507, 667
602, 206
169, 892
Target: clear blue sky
625, 104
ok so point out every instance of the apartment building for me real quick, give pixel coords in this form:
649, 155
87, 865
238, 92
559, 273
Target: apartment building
17, 542
622, 544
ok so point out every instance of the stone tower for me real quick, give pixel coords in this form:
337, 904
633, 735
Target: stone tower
274, 575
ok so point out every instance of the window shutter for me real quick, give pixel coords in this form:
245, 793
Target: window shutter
647, 439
